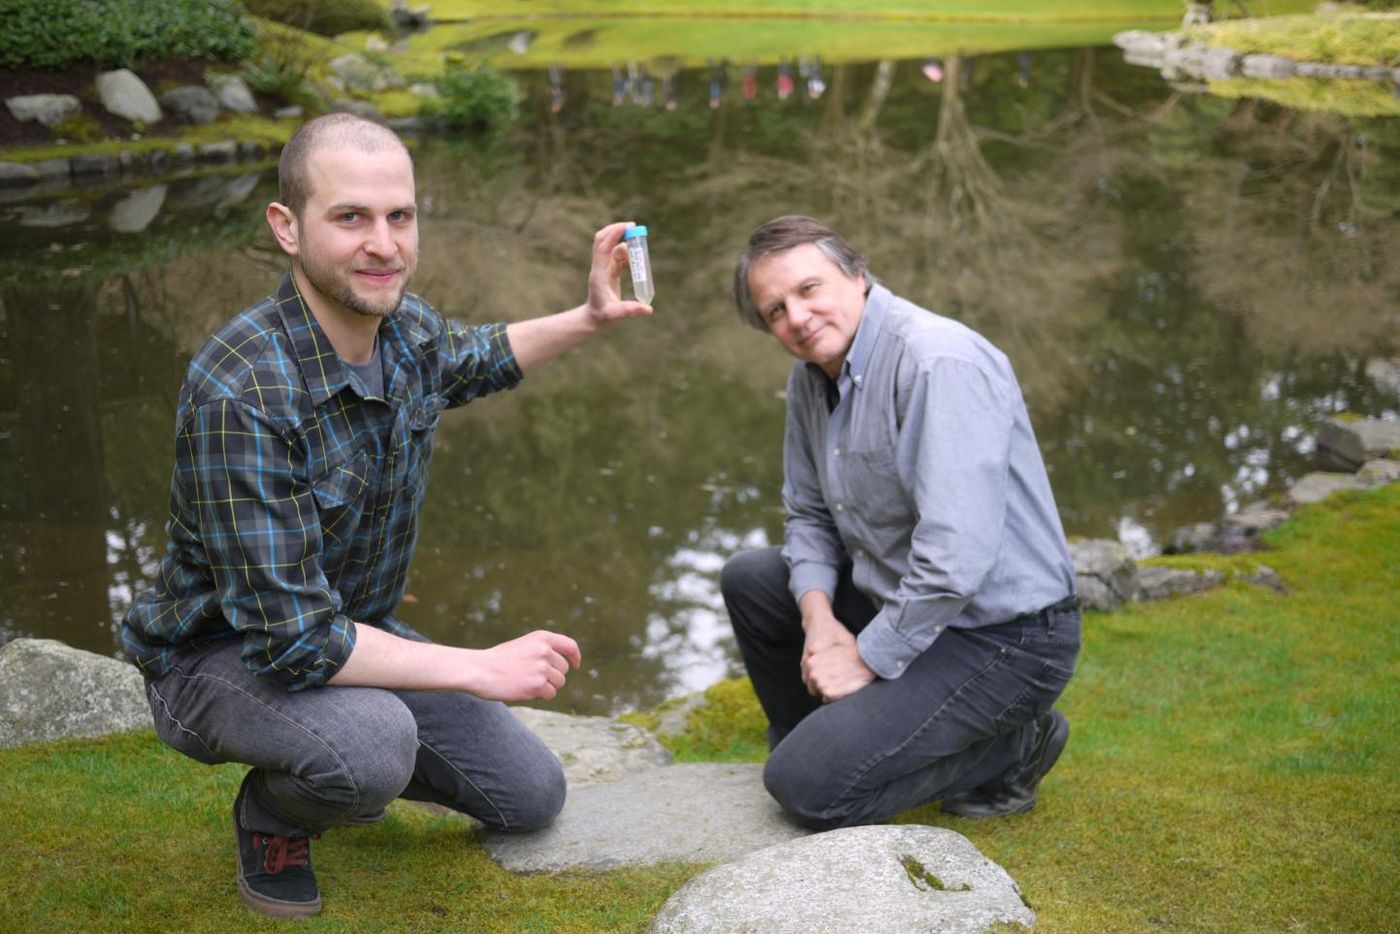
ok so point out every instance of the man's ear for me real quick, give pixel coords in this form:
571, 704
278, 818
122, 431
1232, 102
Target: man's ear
284, 227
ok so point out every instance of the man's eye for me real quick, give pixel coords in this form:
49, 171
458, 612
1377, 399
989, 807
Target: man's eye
349, 217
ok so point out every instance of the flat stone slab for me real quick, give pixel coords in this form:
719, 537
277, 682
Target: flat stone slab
682, 813
868, 879
594, 749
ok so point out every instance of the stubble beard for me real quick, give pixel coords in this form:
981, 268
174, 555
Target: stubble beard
331, 283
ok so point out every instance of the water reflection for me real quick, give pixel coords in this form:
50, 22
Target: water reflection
1184, 285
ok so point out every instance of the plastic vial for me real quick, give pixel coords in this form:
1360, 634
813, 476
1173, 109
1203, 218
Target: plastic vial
639, 259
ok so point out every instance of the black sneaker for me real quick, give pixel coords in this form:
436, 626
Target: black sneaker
999, 799
274, 872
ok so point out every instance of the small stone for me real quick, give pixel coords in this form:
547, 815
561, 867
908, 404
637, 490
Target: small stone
1318, 486
47, 109
251, 152
407, 125
18, 173
1189, 539
221, 151
1108, 562
96, 165
1265, 576
358, 108
1159, 583
1094, 594
1379, 472
182, 154
594, 749
54, 214
191, 104
1220, 64
54, 168
1257, 517
232, 93
291, 112
1267, 66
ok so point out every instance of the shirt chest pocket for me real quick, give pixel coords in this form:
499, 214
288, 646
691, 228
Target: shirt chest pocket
417, 452
876, 492
340, 499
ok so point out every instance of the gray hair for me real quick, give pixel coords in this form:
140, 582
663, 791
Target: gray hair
780, 235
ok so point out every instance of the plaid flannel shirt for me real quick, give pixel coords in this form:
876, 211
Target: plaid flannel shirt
295, 497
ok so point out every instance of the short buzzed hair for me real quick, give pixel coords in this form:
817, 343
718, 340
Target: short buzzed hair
780, 235
335, 129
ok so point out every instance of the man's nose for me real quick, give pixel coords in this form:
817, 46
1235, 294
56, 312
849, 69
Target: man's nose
380, 240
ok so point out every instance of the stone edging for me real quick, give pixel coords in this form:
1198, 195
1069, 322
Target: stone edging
1178, 57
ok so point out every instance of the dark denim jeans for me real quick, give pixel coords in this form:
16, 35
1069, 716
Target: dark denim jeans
326, 754
960, 716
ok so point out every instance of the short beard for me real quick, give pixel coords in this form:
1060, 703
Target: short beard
327, 284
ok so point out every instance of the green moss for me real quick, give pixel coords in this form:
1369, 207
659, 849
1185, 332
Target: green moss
1340, 96
728, 727
925, 881
1339, 38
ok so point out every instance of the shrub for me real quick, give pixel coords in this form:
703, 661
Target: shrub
325, 17
475, 98
61, 33
280, 72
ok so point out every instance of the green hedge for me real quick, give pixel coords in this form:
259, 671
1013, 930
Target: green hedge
56, 34
326, 17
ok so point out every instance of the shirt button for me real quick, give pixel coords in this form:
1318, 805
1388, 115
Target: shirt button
860, 552
899, 664
840, 508
856, 379
838, 452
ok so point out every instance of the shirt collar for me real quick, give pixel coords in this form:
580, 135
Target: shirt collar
321, 367
877, 305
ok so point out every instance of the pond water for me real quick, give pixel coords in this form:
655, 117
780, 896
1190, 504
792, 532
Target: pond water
1185, 284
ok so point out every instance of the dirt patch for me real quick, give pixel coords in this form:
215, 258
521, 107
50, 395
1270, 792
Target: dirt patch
81, 83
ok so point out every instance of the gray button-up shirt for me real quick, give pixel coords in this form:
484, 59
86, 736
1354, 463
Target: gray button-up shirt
926, 477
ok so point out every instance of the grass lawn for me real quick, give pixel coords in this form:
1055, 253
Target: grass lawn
1232, 767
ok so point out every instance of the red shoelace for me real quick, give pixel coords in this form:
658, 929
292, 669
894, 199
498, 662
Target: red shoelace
282, 852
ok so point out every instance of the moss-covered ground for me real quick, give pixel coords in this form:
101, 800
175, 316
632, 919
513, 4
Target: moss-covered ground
1232, 767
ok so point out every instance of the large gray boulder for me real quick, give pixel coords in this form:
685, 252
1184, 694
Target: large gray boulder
594, 750
50, 691
1347, 445
868, 879
48, 109
127, 96
682, 813
191, 104
1105, 572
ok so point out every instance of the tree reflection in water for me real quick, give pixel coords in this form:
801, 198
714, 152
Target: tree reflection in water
1183, 284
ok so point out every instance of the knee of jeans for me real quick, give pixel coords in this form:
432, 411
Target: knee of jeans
807, 796
737, 577
380, 766
538, 798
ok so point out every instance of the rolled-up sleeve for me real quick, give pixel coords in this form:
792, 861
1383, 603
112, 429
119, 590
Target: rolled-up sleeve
259, 525
476, 360
953, 455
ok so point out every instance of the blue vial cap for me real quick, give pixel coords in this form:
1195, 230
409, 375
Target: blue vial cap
634, 232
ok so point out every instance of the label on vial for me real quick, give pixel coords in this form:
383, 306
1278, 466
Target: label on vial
636, 258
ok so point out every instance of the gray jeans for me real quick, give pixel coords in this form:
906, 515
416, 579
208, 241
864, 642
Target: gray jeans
960, 716
326, 754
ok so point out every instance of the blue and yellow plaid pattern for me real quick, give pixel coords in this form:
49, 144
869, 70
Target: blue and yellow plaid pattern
295, 497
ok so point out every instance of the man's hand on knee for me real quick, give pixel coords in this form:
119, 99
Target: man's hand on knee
835, 669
